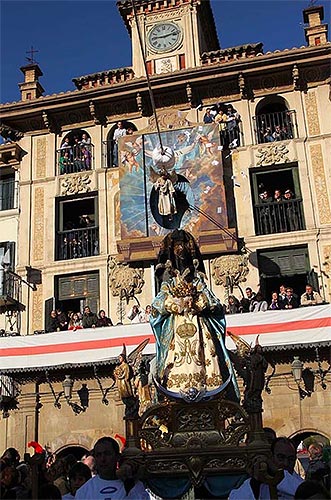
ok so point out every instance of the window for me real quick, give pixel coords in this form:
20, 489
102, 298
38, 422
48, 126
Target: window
285, 266
7, 259
277, 200
77, 228
111, 144
274, 121
8, 191
74, 292
75, 153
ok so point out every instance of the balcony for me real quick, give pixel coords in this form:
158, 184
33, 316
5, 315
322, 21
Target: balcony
281, 217
75, 159
279, 126
8, 194
77, 243
10, 292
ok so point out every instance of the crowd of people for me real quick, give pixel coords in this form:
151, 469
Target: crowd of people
285, 298
96, 476
75, 154
278, 212
273, 131
79, 239
60, 321
228, 120
100, 473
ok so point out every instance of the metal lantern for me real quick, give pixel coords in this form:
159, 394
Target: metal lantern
297, 369
67, 387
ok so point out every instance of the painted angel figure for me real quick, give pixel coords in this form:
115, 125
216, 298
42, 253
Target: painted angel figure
189, 326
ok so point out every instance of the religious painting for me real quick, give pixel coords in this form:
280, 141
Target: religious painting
172, 181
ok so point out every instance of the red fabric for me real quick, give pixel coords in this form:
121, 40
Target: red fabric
36, 446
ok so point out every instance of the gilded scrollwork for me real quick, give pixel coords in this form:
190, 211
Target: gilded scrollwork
319, 177
122, 277
169, 120
271, 154
227, 463
312, 113
75, 184
230, 269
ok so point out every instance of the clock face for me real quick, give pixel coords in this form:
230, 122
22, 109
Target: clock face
164, 37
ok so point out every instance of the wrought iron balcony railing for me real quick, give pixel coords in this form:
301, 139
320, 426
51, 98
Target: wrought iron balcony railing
281, 217
77, 243
279, 126
74, 159
8, 194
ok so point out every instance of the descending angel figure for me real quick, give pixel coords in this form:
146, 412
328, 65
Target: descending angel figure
124, 374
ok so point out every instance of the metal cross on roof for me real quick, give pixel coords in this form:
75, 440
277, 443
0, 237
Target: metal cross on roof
32, 51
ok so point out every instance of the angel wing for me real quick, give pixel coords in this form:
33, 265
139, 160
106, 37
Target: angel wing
135, 357
242, 346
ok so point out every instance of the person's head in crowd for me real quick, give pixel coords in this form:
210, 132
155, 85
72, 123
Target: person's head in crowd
309, 289
119, 124
49, 491
89, 460
78, 475
274, 297
283, 454
270, 434
282, 289
315, 450
87, 310
148, 309
311, 490
129, 131
277, 195
233, 300
106, 452
289, 292
12, 456
102, 313
288, 194
7, 474
249, 292
259, 297
264, 195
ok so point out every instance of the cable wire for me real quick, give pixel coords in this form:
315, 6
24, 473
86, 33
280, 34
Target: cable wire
150, 90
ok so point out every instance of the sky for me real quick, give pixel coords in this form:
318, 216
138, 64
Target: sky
78, 37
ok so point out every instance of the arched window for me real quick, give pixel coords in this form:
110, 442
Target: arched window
75, 153
119, 129
274, 121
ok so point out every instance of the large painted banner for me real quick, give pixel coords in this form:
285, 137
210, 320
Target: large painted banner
178, 183
303, 326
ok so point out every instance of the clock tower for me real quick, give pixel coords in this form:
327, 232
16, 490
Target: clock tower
174, 33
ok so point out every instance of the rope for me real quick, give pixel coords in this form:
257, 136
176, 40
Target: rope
150, 90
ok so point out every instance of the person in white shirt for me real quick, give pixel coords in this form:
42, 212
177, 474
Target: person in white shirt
282, 464
105, 484
310, 297
136, 315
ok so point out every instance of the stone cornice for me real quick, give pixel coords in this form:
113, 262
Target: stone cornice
15, 114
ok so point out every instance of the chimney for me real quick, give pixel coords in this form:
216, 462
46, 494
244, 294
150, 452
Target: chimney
316, 32
31, 88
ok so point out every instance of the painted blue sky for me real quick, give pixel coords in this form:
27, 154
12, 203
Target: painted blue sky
75, 38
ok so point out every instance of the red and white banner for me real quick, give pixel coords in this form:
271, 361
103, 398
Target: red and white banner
309, 325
